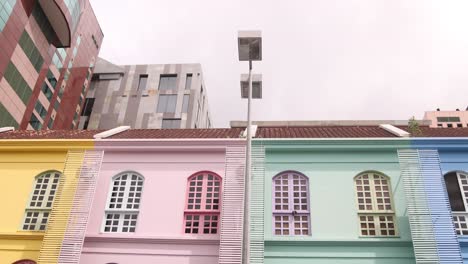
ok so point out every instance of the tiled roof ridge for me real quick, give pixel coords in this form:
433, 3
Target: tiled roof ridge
358, 131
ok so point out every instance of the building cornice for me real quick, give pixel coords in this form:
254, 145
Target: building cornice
45, 144
152, 240
378, 242
22, 236
200, 145
441, 143
294, 144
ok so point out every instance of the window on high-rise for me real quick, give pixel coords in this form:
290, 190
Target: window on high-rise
185, 103
50, 124
448, 119
168, 82
47, 92
142, 82
34, 122
167, 103
291, 212
7, 118
17, 82
6, 7
170, 123
29, 48
41, 110
88, 107
43, 22
188, 81
51, 78
376, 213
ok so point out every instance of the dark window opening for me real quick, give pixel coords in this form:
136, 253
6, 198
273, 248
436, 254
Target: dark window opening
188, 81
170, 123
454, 193
88, 107
34, 122
142, 82
448, 119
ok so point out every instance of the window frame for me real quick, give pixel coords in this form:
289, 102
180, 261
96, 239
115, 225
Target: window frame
462, 191
203, 212
122, 212
290, 212
43, 208
459, 217
188, 81
169, 75
141, 77
166, 103
376, 213
172, 120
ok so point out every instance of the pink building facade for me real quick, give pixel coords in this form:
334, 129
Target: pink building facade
447, 118
167, 201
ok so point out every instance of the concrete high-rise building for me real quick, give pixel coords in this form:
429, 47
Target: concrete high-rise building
146, 96
455, 118
47, 53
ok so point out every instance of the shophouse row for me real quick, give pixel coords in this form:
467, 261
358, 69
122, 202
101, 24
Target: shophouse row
322, 194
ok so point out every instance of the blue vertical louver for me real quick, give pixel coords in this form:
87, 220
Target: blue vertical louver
429, 214
447, 243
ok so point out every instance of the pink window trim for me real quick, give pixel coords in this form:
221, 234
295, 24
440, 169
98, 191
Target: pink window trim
202, 211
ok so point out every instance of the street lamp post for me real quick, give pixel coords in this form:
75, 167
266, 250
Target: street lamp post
250, 49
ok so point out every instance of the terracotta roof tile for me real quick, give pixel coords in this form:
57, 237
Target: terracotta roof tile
444, 132
49, 134
262, 132
180, 133
323, 132
133, 133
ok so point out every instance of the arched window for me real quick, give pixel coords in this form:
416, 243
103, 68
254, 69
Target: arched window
123, 203
25, 261
203, 205
40, 203
375, 207
457, 190
291, 204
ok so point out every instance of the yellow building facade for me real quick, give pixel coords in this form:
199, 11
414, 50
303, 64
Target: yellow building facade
33, 173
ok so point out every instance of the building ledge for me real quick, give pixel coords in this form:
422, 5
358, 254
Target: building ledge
22, 235
194, 240
364, 242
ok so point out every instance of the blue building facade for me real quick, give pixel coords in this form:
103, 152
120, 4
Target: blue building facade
443, 165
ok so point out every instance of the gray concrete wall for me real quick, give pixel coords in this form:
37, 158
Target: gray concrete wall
118, 101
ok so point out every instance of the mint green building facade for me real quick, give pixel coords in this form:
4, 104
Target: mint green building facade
334, 232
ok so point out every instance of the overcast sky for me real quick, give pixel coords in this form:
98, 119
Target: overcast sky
322, 60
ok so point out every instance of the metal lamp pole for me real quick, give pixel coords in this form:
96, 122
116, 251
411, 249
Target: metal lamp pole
250, 49
246, 234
